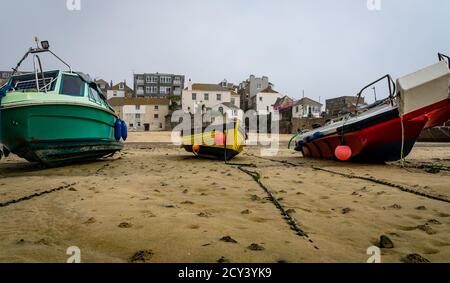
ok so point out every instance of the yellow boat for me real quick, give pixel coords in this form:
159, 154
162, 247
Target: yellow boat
223, 141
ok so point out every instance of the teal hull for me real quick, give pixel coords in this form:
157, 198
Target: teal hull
58, 134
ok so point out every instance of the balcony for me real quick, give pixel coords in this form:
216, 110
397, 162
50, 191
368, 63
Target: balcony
176, 82
140, 82
140, 92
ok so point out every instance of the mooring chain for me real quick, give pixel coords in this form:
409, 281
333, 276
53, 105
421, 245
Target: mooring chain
289, 219
284, 162
386, 183
3, 204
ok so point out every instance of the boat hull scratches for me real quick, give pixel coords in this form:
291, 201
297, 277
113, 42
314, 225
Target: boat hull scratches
377, 143
64, 152
214, 152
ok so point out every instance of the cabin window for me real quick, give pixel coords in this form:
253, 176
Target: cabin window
94, 95
72, 85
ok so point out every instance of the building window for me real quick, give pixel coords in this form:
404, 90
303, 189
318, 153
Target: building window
156, 107
139, 124
165, 80
138, 107
154, 79
131, 125
258, 86
221, 109
138, 116
206, 96
296, 109
156, 116
232, 101
160, 125
267, 108
154, 89
194, 96
219, 97
164, 90
147, 89
260, 98
147, 79
115, 93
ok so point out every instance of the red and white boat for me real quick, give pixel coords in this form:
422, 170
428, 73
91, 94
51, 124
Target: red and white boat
386, 130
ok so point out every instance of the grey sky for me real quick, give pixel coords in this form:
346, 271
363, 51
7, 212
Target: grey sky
327, 47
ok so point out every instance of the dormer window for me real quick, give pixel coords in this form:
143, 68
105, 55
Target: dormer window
121, 86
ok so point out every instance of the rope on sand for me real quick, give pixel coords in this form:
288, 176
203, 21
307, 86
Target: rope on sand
432, 196
3, 204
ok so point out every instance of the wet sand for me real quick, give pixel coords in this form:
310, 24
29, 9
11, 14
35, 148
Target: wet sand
154, 202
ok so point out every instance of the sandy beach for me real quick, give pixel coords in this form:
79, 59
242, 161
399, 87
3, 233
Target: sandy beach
154, 202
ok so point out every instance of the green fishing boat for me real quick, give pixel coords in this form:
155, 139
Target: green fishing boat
57, 117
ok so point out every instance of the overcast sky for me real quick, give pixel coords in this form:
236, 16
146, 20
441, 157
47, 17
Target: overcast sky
328, 48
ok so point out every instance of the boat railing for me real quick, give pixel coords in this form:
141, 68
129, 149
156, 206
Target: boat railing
391, 87
445, 58
41, 47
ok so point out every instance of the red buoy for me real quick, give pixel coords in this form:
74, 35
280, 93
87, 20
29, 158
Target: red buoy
196, 148
343, 152
219, 138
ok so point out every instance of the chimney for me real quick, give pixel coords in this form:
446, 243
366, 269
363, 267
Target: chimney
189, 86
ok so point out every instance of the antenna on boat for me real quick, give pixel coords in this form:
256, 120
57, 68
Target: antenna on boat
36, 39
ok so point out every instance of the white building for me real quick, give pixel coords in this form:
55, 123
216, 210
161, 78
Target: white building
142, 114
228, 111
306, 108
120, 90
199, 97
264, 100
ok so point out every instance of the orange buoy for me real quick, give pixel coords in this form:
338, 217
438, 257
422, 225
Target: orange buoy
196, 148
219, 138
343, 152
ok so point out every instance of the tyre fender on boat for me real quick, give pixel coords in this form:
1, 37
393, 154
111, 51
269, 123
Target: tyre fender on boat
124, 130
118, 130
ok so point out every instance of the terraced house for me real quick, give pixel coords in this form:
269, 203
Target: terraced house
142, 113
120, 90
158, 85
200, 97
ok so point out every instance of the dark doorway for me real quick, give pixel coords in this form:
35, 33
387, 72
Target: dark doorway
146, 127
